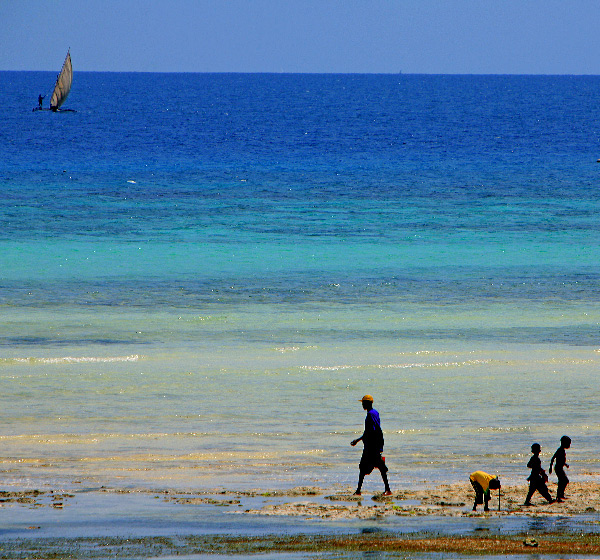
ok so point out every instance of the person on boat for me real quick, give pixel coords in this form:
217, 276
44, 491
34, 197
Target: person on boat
482, 483
40, 99
372, 439
538, 478
561, 462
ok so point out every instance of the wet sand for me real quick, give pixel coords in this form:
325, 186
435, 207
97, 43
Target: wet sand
348, 545
455, 500
133, 523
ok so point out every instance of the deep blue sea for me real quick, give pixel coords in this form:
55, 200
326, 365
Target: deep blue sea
201, 274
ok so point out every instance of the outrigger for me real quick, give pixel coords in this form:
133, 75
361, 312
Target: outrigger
61, 88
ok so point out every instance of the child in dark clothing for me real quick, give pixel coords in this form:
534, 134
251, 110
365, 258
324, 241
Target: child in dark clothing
537, 478
561, 462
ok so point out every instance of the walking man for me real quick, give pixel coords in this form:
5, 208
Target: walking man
372, 439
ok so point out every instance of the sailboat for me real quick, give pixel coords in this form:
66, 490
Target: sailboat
61, 88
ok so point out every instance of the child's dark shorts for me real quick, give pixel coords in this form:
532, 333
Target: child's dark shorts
479, 493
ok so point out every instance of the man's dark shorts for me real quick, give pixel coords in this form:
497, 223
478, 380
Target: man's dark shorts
372, 460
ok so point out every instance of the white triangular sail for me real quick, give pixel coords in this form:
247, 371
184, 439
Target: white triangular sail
63, 84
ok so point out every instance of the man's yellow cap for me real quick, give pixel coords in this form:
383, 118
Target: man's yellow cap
367, 398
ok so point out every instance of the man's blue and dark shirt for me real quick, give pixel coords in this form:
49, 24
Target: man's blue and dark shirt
373, 436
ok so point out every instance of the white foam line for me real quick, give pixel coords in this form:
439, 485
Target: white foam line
72, 360
398, 366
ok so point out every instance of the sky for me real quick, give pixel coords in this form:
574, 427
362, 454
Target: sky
320, 36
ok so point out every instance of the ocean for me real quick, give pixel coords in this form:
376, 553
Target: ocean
202, 274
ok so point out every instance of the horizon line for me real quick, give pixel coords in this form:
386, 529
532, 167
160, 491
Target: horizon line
272, 72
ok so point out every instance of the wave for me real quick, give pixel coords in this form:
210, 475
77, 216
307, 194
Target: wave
70, 360
92, 438
504, 429
399, 366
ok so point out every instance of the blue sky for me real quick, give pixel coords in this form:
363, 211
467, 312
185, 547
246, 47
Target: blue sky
410, 36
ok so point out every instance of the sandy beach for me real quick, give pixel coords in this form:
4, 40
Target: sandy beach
103, 523
452, 500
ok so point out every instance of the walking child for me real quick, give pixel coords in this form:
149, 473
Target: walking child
561, 462
537, 478
372, 439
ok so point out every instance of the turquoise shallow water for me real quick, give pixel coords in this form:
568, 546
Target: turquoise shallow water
200, 278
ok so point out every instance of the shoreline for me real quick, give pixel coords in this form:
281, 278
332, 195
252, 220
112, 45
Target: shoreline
96, 522
446, 500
